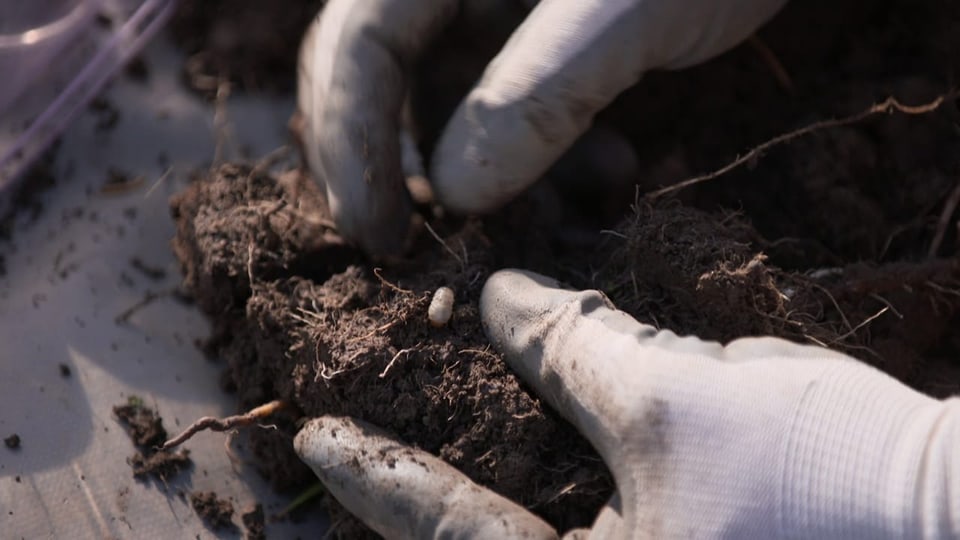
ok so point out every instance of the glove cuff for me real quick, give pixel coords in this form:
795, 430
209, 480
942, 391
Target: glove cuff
853, 463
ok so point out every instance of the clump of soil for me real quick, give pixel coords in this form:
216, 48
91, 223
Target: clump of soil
143, 425
254, 523
162, 465
146, 431
305, 319
683, 269
216, 513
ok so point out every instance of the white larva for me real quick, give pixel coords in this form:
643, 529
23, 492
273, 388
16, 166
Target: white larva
441, 307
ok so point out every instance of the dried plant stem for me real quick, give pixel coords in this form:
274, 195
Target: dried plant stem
249, 418
889, 105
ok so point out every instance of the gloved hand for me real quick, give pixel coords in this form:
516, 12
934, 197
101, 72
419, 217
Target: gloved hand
566, 61
760, 438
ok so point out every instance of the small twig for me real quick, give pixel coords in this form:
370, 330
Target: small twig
480, 352
148, 298
395, 357
223, 424
156, 184
373, 332
613, 233
383, 281
887, 303
836, 305
855, 329
889, 105
948, 209
779, 72
444, 244
942, 289
263, 164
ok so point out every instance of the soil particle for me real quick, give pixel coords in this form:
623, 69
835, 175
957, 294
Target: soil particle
12, 441
65, 371
143, 426
215, 513
254, 523
106, 112
162, 465
147, 433
138, 70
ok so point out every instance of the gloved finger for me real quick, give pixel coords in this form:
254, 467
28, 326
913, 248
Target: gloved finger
568, 60
402, 492
351, 86
580, 354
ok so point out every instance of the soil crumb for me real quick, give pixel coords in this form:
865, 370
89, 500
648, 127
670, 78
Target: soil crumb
146, 431
12, 442
254, 523
65, 371
162, 465
143, 425
215, 513
154, 273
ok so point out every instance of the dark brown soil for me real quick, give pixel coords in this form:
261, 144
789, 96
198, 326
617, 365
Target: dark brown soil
162, 465
828, 240
143, 425
146, 431
215, 513
254, 523
12, 441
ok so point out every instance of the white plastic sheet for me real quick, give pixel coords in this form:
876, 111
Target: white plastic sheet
68, 275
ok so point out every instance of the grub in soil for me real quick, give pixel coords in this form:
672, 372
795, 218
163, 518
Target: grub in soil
12, 441
147, 433
65, 371
254, 523
215, 513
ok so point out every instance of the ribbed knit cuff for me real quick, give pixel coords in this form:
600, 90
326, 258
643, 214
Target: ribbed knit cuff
854, 456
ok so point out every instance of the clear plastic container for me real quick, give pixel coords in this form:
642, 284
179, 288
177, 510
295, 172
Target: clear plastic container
55, 56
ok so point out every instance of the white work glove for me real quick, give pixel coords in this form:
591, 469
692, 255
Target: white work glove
761, 438
568, 60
